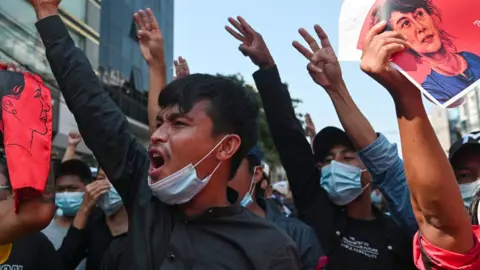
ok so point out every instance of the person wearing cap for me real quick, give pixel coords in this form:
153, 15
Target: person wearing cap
251, 184
464, 155
335, 201
446, 238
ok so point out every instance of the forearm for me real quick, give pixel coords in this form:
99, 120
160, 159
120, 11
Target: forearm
81, 218
157, 83
355, 124
69, 153
434, 191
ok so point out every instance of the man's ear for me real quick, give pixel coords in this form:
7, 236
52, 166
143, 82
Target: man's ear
258, 174
8, 104
228, 147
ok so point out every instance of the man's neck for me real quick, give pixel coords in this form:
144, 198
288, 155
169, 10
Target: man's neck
255, 208
213, 195
361, 208
64, 221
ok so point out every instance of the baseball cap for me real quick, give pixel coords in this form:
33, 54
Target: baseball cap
470, 140
281, 187
266, 169
328, 138
256, 153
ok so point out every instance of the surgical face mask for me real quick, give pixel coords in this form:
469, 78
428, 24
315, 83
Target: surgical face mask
110, 202
376, 198
68, 203
183, 185
342, 182
468, 191
247, 199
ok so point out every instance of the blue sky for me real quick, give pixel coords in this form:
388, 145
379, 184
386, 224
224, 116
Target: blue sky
200, 38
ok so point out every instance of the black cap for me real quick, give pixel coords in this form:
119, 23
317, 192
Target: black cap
326, 139
467, 140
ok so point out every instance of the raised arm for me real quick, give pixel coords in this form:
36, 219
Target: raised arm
288, 134
34, 213
378, 155
152, 48
103, 126
74, 139
435, 195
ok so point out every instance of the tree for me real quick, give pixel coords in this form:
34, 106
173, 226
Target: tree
266, 144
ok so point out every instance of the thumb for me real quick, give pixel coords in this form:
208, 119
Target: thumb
143, 35
245, 50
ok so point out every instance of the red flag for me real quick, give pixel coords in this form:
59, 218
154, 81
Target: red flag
27, 129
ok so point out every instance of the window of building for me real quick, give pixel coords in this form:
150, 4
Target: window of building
93, 16
92, 52
76, 8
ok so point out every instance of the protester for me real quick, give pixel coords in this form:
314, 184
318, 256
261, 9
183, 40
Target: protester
171, 200
446, 239
94, 228
341, 213
250, 182
32, 251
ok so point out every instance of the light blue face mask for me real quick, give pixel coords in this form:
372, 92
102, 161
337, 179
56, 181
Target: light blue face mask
376, 198
183, 185
110, 202
68, 203
342, 182
468, 191
247, 199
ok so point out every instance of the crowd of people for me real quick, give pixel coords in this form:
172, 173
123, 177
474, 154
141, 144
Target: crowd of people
201, 196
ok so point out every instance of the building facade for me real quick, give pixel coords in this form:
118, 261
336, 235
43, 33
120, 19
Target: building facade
451, 124
119, 65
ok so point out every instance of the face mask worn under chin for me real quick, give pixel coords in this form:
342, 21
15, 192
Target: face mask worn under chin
468, 191
110, 202
183, 185
68, 203
342, 182
247, 199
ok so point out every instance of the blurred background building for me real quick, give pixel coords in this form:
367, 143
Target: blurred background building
451, 124
105, 31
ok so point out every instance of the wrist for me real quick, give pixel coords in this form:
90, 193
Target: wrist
267, 64
157, 66
45, 10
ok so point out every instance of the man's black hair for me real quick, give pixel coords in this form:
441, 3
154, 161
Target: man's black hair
232, 108
74, 167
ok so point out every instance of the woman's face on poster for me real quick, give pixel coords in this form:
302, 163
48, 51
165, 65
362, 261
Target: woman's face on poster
420, 29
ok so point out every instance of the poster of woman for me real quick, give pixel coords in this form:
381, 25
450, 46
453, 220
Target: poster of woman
444, 58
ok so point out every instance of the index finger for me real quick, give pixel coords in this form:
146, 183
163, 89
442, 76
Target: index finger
138, 21
152, 19
322, 36
245, 25
375, 30
309, 39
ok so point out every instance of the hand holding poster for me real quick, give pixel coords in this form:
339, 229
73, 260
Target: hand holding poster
443, 60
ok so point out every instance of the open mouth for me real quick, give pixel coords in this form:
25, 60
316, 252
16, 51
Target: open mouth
427, 39
156, 159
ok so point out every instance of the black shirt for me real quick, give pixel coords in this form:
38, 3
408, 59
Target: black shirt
33, 252
348, 243
89, 243
303, 235
116, 257
159, 236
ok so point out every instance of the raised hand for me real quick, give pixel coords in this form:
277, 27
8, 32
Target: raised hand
310, 126
10, 67
181, 68
253, 44
378, 48
74, 138
323, 67
150, 37
45, 8
93, 191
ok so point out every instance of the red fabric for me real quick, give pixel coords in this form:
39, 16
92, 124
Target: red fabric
446, 260
27, 131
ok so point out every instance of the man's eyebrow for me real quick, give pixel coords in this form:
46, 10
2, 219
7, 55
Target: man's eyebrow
173, 116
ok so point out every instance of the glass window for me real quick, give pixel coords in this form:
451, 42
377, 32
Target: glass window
20, 12
93, 16
76, 8
92, 52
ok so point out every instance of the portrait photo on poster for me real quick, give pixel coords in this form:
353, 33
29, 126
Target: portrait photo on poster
444, 58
